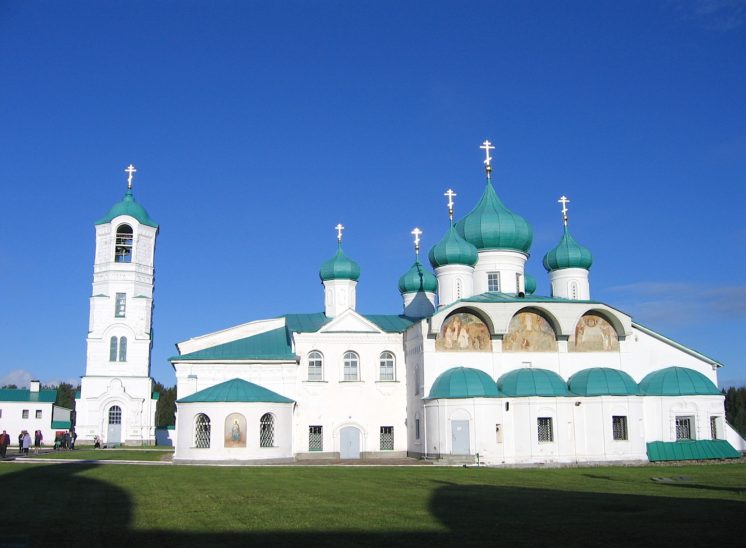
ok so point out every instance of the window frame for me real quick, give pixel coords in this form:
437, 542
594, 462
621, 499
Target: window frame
714, 427
24, 413
545, 429
114, 349
267, 430
122, 354
684, 427
202, 431
38, 414
120, 305
386, 438
123, 245
317, 369
619, 428
493, 280
386, 361
315, 437
347, 360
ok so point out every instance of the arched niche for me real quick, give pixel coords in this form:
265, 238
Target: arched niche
463, 331
530, 331
235, 430
593, 333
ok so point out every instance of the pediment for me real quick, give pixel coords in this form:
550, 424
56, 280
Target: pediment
350, 321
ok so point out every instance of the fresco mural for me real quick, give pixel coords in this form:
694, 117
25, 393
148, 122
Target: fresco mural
529, 332
235, 430
593, 334
463, 332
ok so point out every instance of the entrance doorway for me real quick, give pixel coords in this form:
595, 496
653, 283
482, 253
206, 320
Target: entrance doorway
460, 438
114, 430
349, 443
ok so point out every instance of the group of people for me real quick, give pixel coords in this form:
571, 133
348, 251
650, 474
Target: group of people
63, 440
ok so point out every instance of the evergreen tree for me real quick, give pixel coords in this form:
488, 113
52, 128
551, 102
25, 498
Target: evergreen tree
165, 409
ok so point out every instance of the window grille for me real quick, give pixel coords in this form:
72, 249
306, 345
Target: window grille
202, 431
120, 305
24, 414
683, 428
315, 438
619, 427
351, 370
122, 349
113, 349
115, 415
386, 366
493, 281
315, 366
546, 434
267, 431
714, 428
38, 413
123, 246
387, 438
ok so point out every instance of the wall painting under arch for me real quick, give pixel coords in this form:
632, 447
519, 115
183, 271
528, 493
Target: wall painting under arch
529, 332
593, 333
463, 332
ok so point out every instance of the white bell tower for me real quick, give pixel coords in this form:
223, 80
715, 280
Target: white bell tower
116, 402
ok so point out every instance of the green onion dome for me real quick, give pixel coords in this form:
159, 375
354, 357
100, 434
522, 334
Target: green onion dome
532, 382
128, 206
491, 225
529, 283
452, 249
677, 381
568, 254
339, 267
418, 279
603, 381
463, 382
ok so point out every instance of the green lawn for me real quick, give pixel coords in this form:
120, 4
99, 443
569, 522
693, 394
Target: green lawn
110, 454
116, 504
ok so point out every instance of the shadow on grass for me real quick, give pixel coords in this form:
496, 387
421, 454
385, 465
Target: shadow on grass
53, 505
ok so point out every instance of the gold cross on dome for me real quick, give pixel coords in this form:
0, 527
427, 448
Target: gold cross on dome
130, 170
339, 228
564, 201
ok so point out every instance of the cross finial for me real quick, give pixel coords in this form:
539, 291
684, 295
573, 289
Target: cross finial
487, 146
564, 201
416, 233
130, 170
450, 193
339, 228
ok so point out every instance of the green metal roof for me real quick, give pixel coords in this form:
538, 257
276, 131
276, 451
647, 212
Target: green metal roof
311, 323
128, 206
452, 249
603, 381
677, 381
270, 345
390, 323
691, 450
463, 382
236, 390
417, 279
529, 283
155, 396
339, 267
24, 394
568, 254
495, 297
491, 225
64, 425
532, 382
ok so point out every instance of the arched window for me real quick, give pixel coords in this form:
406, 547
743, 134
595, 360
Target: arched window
315, 366
267, 430
122, 349
202, 431
123, 247
113, 349
115, 415
351, 367
386, 366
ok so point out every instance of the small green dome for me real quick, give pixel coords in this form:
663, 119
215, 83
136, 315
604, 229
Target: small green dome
491, 225
452, 249
603, 381
128, 206
677, 381
532, 382
339, 267
568, 254
463, 382
418, 279
529, 283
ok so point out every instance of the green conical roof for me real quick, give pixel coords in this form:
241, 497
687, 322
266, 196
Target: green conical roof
532, 382
491, 225
677, 381
452, 249
417, 279
529, 283
339, 267
568, 254
603, 381
464, 382
128, 206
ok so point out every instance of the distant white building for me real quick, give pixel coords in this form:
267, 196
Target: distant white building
116, 400
32, 409
476, 364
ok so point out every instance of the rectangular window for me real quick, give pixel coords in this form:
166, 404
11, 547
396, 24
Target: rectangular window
619, 428
120, 305
387, 438
493, 281
416, 429
546, 433
38, 413
684, 428
714, 427
315, 438
24, 414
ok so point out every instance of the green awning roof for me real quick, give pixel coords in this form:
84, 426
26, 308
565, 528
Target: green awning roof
677, 381
24, 394
463, 382
62, 425
236, 390
270, 345
691, 450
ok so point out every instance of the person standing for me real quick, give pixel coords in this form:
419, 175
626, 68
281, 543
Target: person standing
20, 442
38, 438
26, 442
4, 443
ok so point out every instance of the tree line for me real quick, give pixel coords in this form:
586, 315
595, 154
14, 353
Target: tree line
735, 408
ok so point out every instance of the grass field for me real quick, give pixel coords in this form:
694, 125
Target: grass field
117, 504
110, 454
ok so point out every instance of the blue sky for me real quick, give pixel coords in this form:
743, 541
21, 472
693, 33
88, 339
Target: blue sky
257, 126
